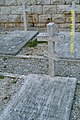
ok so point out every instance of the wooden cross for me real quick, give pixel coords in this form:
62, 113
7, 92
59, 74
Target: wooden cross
51, 36
25, 16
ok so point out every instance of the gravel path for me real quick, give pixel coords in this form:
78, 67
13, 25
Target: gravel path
8, 87
26, 66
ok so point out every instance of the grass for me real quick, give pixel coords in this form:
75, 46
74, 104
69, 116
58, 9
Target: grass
1, 77
34, 43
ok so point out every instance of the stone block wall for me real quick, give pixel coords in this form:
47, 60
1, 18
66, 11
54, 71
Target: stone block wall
41, 12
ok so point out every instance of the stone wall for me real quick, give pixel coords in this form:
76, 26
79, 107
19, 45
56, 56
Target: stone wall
41, 12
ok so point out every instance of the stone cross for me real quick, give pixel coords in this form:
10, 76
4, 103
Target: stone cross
51, 36
25, 16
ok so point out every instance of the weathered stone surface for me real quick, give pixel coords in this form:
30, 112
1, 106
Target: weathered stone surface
77, 18
20, 2
68, 1
4, 18
16, 10
2, 2
35, 18
43, 2
58, 18
78, 26
45, 18
67, 18
63, 49
42, 25
63, 8
78, 8
40, 98
65, 26
37, 9
57, 2
5, 10
14, 41
12, 2
33, 2
13, 18
49, 9
11, 25
30, 18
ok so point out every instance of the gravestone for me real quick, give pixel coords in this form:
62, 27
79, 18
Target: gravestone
73, 11
13, 42
25, 10
41, 98
71, 48
63, 49
52, 36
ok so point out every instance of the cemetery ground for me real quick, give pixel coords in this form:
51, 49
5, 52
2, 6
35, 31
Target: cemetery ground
13, 70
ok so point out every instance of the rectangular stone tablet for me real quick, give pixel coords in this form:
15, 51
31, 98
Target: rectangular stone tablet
42, 98
13, 42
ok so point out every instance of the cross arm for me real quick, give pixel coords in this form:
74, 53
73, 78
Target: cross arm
58, 37
42, 37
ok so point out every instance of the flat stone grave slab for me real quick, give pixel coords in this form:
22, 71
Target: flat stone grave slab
13, 42
63, 48
41, 98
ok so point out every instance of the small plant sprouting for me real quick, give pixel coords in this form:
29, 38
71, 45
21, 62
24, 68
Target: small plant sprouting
1, 77
34, 43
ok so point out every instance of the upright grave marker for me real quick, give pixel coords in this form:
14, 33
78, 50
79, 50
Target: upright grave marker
73, 11
25, 10
51, 36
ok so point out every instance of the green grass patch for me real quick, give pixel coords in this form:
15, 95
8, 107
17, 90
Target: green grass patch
1, 77
34, 43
